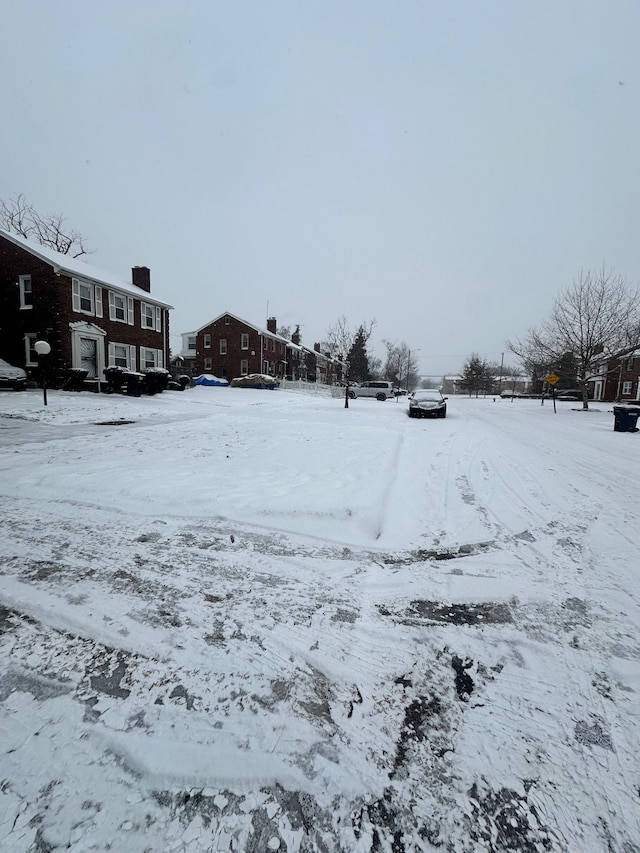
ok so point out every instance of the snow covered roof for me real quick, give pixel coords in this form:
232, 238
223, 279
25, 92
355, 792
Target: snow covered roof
78, 268
258, 329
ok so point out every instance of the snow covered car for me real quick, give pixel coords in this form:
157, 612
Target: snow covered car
427, 404
255, 380
12, 377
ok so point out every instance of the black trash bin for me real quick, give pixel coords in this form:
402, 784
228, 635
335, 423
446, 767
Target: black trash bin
625, 419
134, 383
156, 380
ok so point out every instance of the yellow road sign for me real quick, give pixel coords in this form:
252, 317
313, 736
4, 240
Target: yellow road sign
552, 378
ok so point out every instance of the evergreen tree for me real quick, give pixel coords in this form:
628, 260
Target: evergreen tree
358, 359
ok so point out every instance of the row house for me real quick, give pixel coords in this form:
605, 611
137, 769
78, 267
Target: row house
617, 378
90, 318
228, 347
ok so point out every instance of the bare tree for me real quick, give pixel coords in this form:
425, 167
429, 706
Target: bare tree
341, 337
349, 344
592, 320
400, 365
19, 217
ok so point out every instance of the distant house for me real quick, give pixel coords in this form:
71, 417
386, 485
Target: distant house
90, 318
229, 346
618, 378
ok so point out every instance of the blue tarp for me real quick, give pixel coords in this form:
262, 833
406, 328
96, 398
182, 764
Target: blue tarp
209, 379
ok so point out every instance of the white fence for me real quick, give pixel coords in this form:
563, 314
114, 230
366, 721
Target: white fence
312, 388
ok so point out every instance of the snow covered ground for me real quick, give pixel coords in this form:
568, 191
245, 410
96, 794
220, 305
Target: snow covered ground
241, 620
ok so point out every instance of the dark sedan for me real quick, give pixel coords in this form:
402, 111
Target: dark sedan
427, 404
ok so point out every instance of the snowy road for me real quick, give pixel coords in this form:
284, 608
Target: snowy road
256, 621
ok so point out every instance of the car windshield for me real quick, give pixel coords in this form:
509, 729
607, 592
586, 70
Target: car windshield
432, 396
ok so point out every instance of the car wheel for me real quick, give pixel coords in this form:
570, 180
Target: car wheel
381, 397
352, 395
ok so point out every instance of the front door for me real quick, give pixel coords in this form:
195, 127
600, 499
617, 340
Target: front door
88, 356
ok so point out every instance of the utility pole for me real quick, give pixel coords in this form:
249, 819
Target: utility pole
500, 379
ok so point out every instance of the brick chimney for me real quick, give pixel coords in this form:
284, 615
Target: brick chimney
141, 277
272, 326
295, 337
316, 347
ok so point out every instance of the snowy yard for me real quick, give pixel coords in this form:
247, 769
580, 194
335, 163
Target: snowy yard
253, 620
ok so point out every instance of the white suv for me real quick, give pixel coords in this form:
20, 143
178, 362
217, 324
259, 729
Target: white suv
379, 389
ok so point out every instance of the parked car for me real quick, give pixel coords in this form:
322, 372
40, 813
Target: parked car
569, 394
427, 404
255, 380
12, 377
379, 389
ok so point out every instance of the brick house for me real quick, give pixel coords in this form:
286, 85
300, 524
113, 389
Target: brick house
229, 347
618, 378
91, 319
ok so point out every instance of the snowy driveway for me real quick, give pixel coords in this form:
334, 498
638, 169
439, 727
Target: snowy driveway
257, 621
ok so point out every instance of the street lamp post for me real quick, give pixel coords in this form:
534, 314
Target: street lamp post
42, 349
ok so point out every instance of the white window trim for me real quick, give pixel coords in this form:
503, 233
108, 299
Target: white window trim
151, 315
27, 346
21, 282
243, 336
244, 367
628, 385
76, 283
223, 346
158, 357
207, 341
208, 363
98, 300
112, 354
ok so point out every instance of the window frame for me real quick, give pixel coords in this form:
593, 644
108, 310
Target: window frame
244, 367
24, 291
244, 340
223, 346
152, 313
627, 388
129, 355
207, 341
156, 358
208, 363
29, 341
78, 286
126, 308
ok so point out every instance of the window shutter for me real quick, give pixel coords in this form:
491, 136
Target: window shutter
160, 358
132, 357
130, 309
98, 301
158, 318
112, 356
75, 286
112, 305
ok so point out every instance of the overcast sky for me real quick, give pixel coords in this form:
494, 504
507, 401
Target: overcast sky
444, 168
